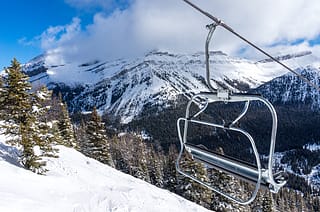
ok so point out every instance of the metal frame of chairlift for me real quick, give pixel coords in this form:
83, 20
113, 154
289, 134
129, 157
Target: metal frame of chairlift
255, 174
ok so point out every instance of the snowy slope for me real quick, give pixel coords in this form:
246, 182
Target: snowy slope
76, 183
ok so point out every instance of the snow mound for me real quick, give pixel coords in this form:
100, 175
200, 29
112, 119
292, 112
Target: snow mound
77, 183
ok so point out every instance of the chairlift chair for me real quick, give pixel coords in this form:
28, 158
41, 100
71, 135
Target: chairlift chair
256, 174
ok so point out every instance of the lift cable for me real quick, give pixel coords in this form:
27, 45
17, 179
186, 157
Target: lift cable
219, 22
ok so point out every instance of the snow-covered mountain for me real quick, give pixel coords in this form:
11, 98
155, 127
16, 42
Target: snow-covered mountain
124, 87
77, 183
289, 88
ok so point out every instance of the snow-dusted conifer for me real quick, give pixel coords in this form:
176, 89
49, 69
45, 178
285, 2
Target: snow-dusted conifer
193, 190
80, 137
16, 103
20, 121
170, 172
23, 119
302, 203
30, 156
65, 128
139, 164
117, 153
155, 165
43, 136
56, 135
96, 144
229, 185
267, 202
134, 157
2, 97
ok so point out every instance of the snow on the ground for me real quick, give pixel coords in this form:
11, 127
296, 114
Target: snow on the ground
77, 183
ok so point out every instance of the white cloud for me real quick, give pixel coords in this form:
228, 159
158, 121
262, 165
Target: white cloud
60, 35
174, 26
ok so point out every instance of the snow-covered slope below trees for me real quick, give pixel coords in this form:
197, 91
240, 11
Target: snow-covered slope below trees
76, 183
124, 87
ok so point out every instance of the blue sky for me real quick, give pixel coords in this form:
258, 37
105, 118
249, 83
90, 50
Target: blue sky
84, 30
23, 20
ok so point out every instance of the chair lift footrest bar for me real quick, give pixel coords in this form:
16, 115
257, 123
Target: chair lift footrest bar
245, 171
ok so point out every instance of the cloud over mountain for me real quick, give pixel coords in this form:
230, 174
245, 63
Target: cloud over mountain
143, 25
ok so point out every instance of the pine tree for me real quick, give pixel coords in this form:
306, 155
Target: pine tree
170, 172
192, 190
155, 166
16, 104
55, 112
280, 205
315, 202
80, 137
302, 203
43, 136
2, 97
267, 202
65, 128
134, 156
17, 117
96, 144
29, 158
286, 200
227, 184
57, 138
117, 154
139, 164
22, 117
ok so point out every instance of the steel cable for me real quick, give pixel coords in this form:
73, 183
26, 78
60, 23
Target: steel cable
228, 28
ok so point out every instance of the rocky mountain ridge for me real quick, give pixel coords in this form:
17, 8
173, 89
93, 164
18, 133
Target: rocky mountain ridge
124, 87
